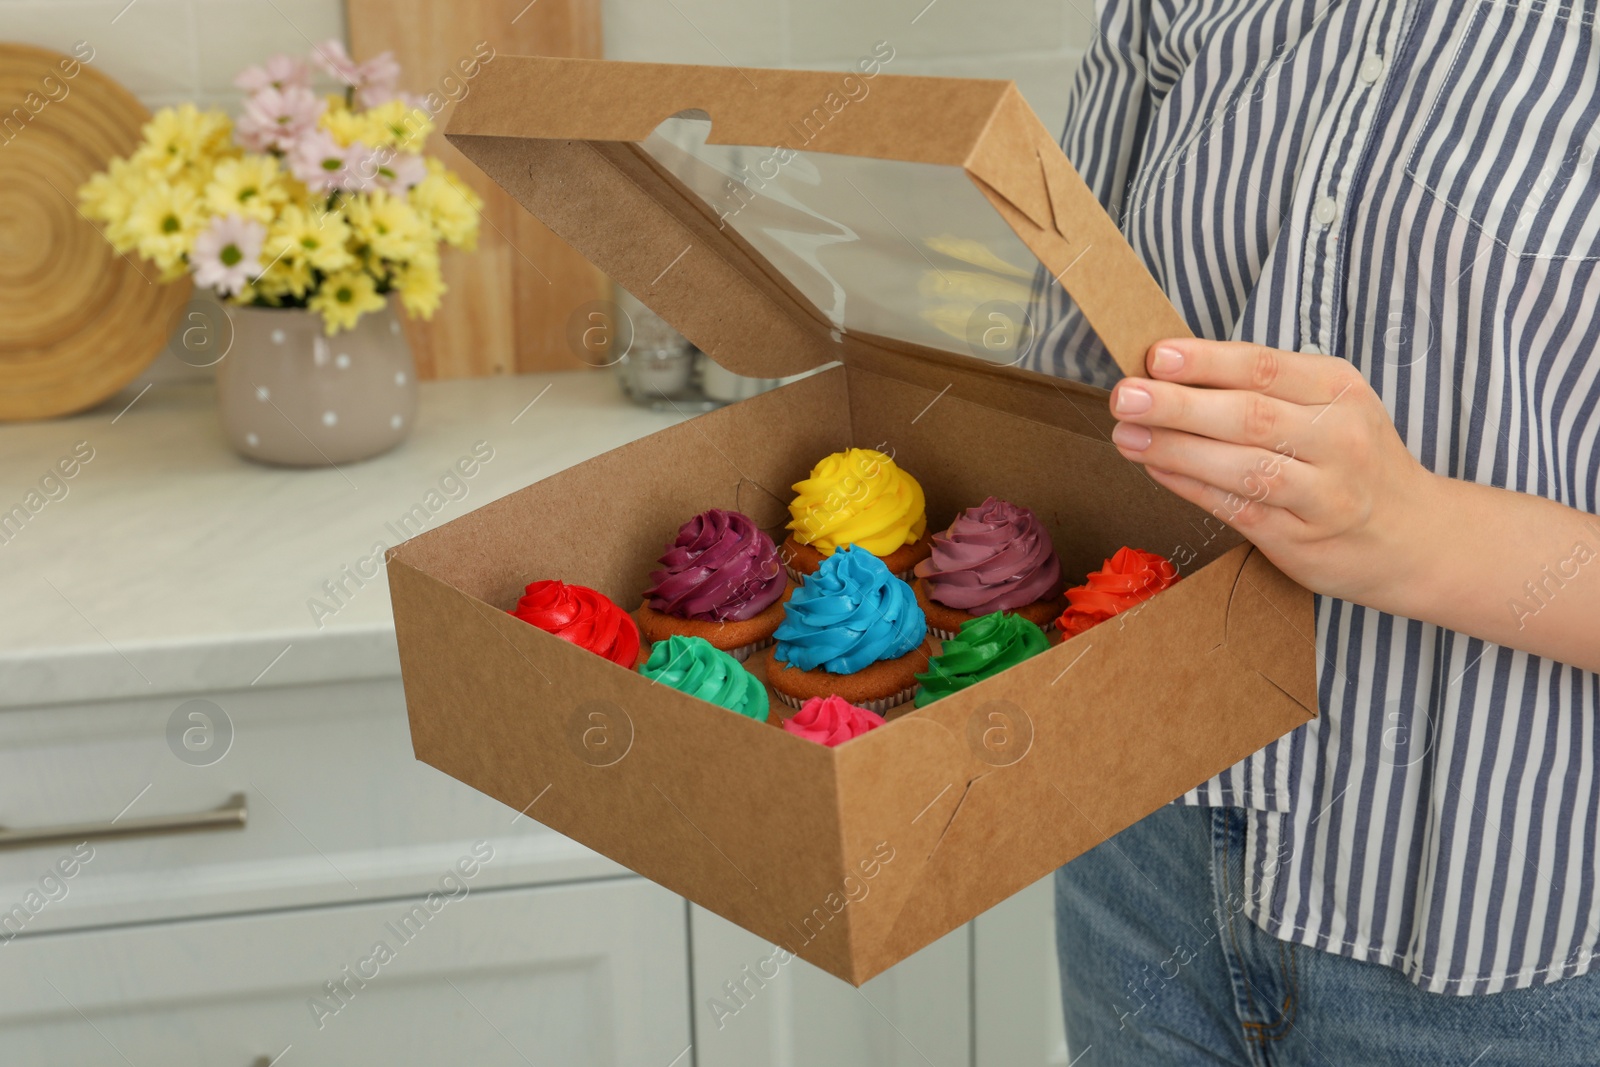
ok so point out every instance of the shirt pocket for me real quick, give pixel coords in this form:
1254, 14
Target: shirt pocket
1509, 138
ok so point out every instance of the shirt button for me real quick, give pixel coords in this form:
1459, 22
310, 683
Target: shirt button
1371, 69
1326, 210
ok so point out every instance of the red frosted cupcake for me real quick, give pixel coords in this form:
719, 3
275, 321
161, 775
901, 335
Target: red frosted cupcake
720, 580
1128, 578
831, 721
994, 557
583, 616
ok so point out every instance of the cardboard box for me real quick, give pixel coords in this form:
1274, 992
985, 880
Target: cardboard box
855, 857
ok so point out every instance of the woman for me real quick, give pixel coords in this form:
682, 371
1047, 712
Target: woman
1385, 214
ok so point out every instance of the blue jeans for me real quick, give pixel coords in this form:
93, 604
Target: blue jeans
1155, 971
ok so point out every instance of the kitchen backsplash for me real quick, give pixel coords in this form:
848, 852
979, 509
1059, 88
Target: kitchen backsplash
168, 51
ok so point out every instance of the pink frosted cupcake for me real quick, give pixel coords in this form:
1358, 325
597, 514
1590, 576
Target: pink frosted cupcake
994, 557
831, 721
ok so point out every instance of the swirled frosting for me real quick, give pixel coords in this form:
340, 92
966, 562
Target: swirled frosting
985, 646
720, 568
831, 721
691, 665
848, 614
583, 616
858, 497
1130, 576
994, 557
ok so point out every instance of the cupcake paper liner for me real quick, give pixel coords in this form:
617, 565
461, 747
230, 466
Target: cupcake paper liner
744, 652
880, 706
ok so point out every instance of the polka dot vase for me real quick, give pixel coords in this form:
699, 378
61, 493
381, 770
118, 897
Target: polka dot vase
289, 395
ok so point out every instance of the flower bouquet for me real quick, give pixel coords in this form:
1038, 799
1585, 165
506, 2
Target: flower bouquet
306, 201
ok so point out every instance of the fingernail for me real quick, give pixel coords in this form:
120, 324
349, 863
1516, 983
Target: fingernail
1132, 400
1166, 360
1133, 438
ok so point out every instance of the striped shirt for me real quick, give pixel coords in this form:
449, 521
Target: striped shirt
1409, 186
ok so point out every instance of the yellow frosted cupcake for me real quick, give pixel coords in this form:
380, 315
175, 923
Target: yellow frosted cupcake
857, 497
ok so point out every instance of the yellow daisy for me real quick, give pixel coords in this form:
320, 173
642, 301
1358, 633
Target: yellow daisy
388, 226
177, 138
397, 124
251, 186
163, 223
285, 277
420, 286
343, 298
317, 239
448, 205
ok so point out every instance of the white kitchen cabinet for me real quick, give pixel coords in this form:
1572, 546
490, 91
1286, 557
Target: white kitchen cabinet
914, 1014
574, 975
1016, 986
339, 810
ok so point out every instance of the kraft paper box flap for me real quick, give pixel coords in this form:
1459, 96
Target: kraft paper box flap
912, 213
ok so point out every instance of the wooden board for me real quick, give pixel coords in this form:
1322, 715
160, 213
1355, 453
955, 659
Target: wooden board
77, 320
507, 308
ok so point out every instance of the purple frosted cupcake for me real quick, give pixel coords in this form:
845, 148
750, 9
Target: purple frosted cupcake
994, 557
720, 580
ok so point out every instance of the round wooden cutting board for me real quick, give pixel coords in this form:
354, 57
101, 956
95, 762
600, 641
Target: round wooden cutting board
77, 320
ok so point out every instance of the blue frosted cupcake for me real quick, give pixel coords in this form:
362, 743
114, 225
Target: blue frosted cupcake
851, 630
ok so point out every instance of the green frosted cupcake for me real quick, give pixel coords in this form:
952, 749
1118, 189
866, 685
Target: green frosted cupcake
985, 646
692, 665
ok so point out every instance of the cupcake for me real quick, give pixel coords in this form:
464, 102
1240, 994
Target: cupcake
578, 614
831, 721
1129, 577
983, 648
691, 665
857, 497
994, 557
851, 630
720, 580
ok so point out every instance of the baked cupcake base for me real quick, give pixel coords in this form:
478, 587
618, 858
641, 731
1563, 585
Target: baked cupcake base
877, 687
944, 621
737, 638
800, 560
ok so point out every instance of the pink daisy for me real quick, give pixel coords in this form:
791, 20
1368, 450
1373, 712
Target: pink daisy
387, 168
375, 81
277, 118
227, 254
321, 162
278, 72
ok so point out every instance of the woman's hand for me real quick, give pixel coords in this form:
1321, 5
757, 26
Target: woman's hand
1294, 451
1298, 453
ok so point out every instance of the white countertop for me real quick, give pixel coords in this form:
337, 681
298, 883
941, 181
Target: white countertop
172, 564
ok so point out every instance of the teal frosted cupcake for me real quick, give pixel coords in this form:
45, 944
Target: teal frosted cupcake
983, 648
691, 665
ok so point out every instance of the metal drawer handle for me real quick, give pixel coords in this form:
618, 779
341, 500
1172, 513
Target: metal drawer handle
230, 816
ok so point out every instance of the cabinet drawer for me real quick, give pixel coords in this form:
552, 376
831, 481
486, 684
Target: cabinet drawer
576, 975
338, 809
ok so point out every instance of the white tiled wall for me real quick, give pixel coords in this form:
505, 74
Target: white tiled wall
167, 51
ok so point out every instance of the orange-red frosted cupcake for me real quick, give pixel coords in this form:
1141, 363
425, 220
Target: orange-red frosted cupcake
583, 616
1130, 577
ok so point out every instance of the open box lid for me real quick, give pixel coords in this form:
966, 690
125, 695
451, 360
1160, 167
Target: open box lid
770, 215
